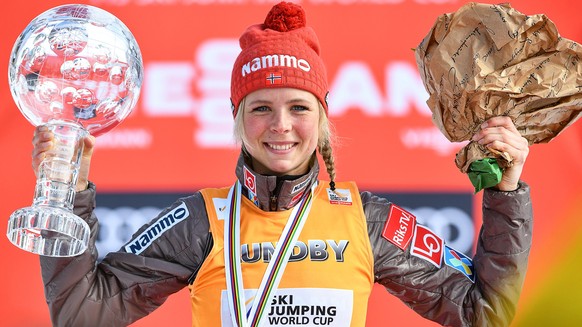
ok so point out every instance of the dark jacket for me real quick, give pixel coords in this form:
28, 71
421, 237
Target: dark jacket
125, 287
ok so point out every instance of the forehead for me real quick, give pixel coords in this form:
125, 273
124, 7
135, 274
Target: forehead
280, 94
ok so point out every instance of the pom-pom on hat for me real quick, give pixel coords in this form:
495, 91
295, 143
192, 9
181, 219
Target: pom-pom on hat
281, 52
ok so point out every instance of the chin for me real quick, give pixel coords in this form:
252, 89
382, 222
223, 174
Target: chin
279, 171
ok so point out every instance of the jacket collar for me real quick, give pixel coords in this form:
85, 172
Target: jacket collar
263, 190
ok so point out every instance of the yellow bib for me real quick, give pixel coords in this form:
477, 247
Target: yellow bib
329, 276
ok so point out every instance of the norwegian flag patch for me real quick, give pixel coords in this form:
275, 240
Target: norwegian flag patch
274, 78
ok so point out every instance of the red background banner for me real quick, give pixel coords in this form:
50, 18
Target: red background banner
178, 138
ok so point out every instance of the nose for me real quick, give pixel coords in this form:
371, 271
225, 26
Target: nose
281, 121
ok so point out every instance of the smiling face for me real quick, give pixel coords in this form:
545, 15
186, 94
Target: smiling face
280, 130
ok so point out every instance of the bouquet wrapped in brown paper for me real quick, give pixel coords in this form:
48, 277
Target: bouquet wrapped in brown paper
489, 60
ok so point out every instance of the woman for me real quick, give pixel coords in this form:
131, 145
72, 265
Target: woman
281, 247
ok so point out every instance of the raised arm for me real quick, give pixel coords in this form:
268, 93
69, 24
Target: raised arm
483, 292
127, 284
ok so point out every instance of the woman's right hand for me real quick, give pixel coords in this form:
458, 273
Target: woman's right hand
43, 141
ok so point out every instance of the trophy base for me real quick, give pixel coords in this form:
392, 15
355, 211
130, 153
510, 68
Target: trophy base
48, 231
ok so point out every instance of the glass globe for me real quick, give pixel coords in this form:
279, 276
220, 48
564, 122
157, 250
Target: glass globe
79, 64
78, 70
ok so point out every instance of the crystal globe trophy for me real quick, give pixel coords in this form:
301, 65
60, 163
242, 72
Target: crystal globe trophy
78, 70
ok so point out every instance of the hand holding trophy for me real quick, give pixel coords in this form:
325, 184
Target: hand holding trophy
77, 69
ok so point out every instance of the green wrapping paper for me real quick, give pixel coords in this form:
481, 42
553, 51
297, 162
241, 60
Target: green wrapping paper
484, 173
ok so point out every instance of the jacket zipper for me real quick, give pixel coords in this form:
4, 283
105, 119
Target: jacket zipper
273, 203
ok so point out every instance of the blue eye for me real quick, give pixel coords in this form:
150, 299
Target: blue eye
261, 109
299, 108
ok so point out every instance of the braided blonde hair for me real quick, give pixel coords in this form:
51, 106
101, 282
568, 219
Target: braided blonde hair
324, 143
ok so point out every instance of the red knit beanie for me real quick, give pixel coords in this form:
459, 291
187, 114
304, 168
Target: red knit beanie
281, 52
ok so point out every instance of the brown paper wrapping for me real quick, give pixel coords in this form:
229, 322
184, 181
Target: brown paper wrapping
490, 60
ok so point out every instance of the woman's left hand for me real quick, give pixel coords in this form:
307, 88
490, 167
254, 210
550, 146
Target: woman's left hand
500, 134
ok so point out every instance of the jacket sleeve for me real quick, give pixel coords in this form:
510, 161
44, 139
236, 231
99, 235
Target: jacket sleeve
444, 294
124, 286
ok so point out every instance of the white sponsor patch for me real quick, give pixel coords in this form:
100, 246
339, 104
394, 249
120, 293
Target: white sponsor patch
339, 196
300, 185
294, 307
141, 242
220, 206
